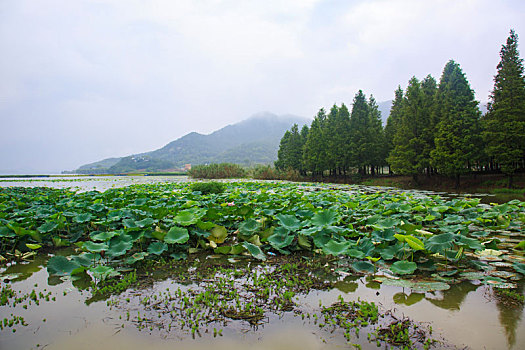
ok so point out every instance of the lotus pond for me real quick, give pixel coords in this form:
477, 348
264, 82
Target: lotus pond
260, 264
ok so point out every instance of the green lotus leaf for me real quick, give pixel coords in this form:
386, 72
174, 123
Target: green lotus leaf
218, 234
355, 253
130, 223
429, 286
365, 267
157, 248
336, 248
325, 218
237, 249
223, 250
136, 257
205, 225
255, 251
47, 227
304, 242
86, 259
189, 216
386, 235
403, 267
280, 241
94, 247
414, 242
254, 240
82, 218
103, 236
519, 267
61, 266
177, 235
385, 223
33, 246
102, 272
309, 231
6, 232
472, 243
289, 222
179, 256
400, 237
440, 243
391, 251
145, 222
249, 227
118, 248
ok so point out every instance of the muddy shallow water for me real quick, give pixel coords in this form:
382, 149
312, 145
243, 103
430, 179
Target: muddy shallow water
468, 315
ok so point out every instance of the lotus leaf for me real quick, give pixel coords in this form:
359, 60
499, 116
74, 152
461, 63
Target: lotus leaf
178, 256
157, 248
33, 246
82, 218
218, 234
145, 222
364, 267
94, 247
289, 222
255, 251
249, 227
280, 241
403, 267
186, 218
440, 243
47, 227
177, 235
102, 272
336, 248
119, 248
519, 267
325, 218
414, 242
102, 236
61, 266
136, 257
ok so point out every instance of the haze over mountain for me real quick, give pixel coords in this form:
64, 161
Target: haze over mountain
251, 141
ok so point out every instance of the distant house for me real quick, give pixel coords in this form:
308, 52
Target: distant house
187, 167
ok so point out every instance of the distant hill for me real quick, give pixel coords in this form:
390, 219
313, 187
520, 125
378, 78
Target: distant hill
251, 141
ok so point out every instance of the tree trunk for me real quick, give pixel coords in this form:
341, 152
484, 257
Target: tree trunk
457, 181
511, 180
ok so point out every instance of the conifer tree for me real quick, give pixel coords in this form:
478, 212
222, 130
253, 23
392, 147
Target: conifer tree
429, 119
504, 124
359, 132
407, 157
314, 151
393, 121
457, 140
377, 139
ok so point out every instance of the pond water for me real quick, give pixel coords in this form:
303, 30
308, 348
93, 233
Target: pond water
468, 315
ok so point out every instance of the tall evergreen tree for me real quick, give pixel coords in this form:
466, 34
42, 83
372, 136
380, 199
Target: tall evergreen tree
314, 151
377, 138
290, 150
359, 132
393, 121
457, 141
407, 157
283, 153
331, 139
429, 119
504, 124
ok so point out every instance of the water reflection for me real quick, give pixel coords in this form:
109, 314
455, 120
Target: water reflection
411, 299
510, 316
455, 296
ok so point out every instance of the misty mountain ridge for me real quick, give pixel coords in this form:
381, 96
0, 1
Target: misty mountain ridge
252, 141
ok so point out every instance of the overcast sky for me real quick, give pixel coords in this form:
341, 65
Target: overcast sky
85, 80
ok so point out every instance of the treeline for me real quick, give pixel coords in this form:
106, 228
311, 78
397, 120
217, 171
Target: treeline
433, 128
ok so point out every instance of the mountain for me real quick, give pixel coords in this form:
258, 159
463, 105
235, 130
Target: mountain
251, 141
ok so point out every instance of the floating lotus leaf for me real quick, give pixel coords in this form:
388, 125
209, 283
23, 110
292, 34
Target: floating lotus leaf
157, 248
325, 218
136, 257
255, 251
429, 286
218, 234
472, 275
336, 248
364, 267
289, 222
47, 227
403, 267
103, 236
177, 235
489, 252
61, 266
440, 243
519, 267
94, 247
